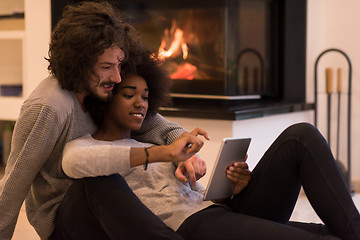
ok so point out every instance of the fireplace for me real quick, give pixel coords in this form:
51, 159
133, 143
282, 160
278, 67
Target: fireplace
212, 49
226, 50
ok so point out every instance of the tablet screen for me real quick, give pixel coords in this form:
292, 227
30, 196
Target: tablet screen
231, 150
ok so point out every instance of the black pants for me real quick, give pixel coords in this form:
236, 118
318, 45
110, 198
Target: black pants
105, 207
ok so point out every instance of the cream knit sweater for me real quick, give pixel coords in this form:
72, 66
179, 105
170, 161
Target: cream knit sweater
157, 187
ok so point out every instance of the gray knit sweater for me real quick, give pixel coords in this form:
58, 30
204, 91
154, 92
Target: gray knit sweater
50, 118
157, 187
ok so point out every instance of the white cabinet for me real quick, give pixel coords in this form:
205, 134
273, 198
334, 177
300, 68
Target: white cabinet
24, 45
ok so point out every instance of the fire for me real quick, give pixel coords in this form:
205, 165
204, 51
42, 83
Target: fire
184, 71
176, 44
172, 44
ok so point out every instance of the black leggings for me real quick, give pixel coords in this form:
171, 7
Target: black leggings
299, 156
105, 207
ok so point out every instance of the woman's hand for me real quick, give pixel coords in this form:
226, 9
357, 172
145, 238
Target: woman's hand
187, 145
194, 168
239, 174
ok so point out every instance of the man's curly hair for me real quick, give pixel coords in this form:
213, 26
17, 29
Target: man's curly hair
81, 36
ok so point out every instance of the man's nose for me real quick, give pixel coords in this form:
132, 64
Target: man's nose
116, 76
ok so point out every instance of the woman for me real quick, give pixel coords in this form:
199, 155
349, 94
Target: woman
260, 209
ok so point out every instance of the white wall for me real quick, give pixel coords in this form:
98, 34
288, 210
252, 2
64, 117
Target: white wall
335, 24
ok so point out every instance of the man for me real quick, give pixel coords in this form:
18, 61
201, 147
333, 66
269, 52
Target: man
89, 46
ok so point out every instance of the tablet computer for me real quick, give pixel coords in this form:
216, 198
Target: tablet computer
231, 150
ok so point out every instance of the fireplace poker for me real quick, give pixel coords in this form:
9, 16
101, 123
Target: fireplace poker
341, 166
339, 71
329, 83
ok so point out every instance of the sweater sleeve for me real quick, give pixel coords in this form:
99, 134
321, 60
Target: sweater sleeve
35, 134
158, 130
85, 158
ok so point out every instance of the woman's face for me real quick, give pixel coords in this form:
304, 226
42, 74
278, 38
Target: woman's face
130, 104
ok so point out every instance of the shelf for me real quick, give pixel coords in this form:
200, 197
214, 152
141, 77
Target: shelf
12, 34
10, 24
245, 110
11, 62
12, 106
24, 45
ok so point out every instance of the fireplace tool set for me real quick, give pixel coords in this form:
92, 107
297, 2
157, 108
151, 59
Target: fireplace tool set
329, 78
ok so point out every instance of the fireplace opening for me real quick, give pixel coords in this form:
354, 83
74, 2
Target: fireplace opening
227, 50
215, 48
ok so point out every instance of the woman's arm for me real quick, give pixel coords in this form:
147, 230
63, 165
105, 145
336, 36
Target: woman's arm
87, 157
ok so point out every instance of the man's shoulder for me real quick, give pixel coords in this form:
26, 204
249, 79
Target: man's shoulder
49, 92
50, 95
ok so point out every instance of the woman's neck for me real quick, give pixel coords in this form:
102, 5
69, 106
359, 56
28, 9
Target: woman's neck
111, 134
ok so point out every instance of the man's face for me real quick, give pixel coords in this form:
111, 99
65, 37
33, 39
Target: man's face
106, 72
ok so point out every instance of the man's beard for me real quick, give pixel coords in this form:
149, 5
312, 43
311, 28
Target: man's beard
96, 97
96, 107
92, 93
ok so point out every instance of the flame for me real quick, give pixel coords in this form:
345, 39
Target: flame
185, 50
184, 71
172, 44
176, 44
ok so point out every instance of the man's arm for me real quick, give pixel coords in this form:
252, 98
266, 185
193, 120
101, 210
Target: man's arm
34, 135
158, 130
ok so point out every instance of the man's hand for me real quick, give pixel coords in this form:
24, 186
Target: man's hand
194, 168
